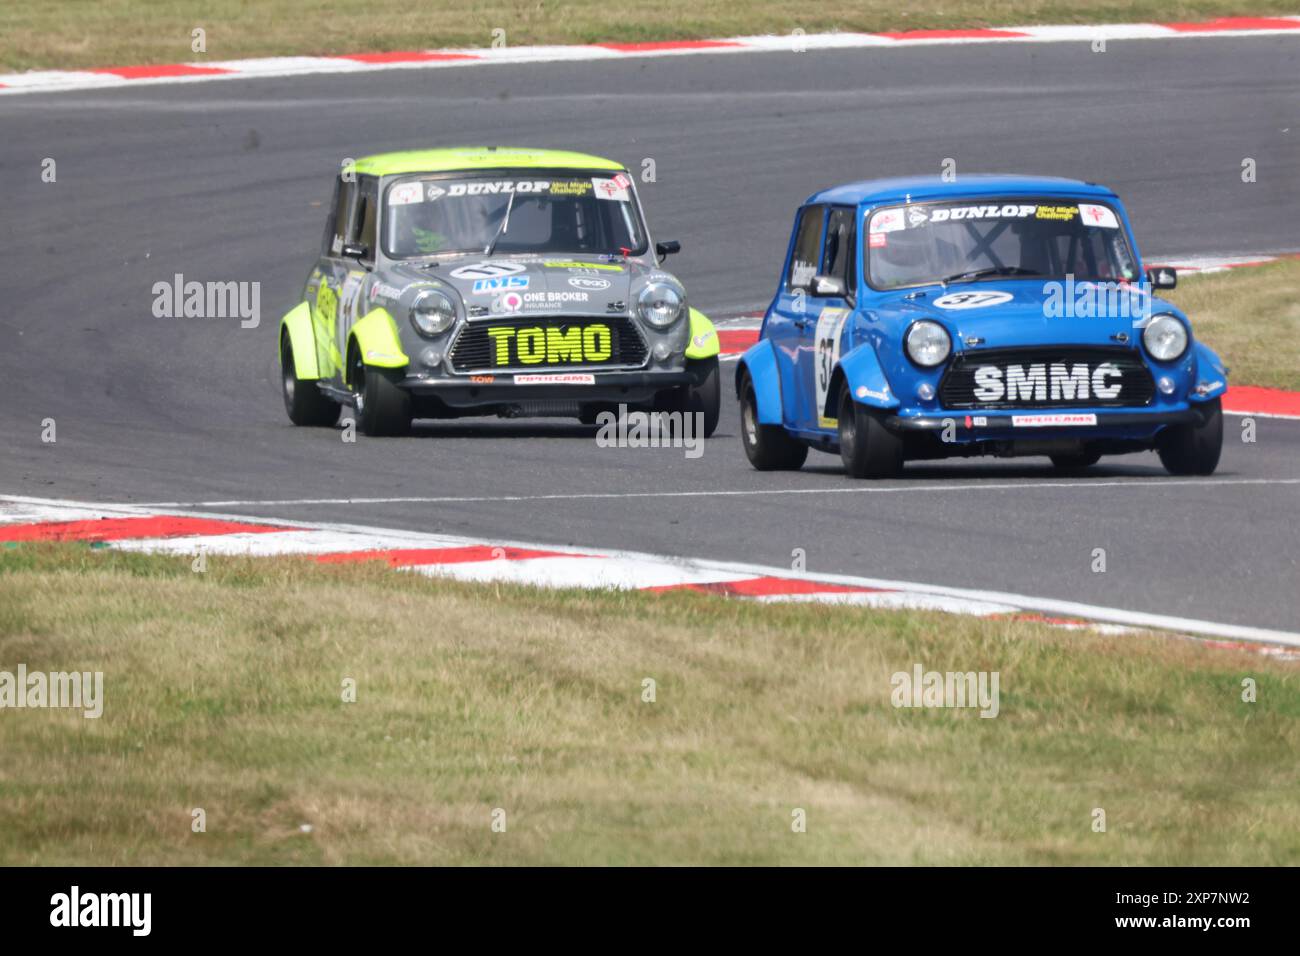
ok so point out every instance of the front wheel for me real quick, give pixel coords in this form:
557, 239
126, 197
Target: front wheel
304, 402
768, 447
1193, 449
382, 408
704, 398
868, 448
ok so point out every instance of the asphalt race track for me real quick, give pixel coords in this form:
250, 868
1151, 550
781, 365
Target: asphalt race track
225, 181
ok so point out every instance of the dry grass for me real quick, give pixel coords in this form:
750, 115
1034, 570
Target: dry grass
65, 34
223, 691
1251, 317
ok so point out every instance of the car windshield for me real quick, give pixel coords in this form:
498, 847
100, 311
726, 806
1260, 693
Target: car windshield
995, 238
548, 214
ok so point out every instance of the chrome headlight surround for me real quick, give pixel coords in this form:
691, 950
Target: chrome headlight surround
927, 343
1165, 337
660, 304
432, 313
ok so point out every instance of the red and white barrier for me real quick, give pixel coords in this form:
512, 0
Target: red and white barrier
129, 528
201, 71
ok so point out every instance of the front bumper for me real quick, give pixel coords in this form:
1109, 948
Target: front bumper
1002, 424
511, 388
1110, 431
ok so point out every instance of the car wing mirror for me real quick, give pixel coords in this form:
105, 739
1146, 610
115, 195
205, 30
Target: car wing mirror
667, 248
829, 286
1163, 277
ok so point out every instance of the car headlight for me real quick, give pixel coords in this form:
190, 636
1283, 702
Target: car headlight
659, 304
1165, 338
432, 313
928, 343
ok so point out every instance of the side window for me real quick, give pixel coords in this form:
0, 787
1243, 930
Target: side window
342, 214
366, 215
840, 249
327, 240
807, 246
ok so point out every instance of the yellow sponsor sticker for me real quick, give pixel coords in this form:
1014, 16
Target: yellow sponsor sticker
571, 187
535, 345
566, 264
1064, 213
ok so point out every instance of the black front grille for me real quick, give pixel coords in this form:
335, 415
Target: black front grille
525, 343
1051, 377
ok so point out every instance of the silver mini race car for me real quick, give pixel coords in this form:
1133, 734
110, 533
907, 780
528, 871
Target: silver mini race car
480, 281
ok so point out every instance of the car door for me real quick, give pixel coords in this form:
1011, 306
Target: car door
360, 231
817, 364
326, 282
792, 320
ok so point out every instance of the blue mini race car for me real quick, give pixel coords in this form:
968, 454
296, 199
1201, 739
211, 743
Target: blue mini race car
993, 315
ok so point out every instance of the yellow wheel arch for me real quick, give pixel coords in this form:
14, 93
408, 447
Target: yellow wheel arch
704, 337
377, 342
296, 326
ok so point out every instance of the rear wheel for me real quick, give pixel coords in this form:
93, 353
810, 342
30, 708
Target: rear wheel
1193, 449
868, 448
768, 447
382, 408
304, 402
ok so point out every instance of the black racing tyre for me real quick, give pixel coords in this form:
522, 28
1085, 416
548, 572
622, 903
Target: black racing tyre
868, 448
1076, 461
768, 447
705, 398
305, 403
383, 409
1193, 449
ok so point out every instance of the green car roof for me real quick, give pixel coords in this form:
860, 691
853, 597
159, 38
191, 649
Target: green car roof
478, 157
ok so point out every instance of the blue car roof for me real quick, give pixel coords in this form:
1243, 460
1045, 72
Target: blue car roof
916, 188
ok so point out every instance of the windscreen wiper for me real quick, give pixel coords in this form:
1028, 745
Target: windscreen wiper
992, 271
505, 224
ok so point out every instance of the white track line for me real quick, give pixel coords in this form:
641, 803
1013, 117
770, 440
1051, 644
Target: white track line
855, 489
1277, 415
895, 601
